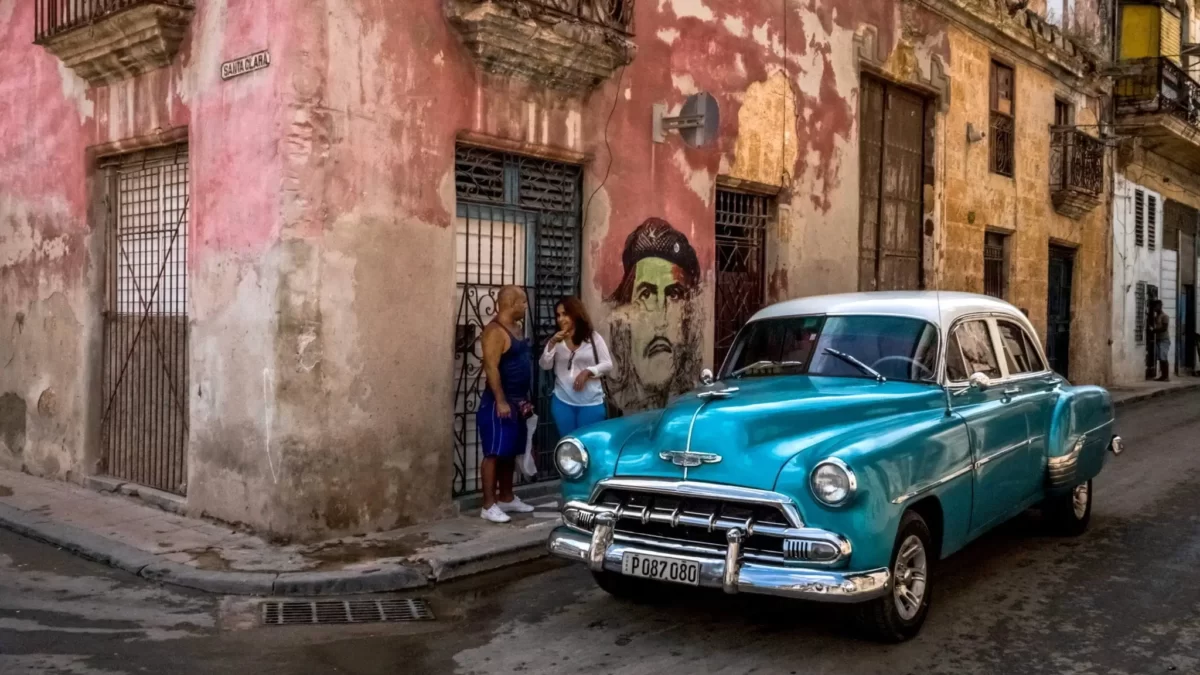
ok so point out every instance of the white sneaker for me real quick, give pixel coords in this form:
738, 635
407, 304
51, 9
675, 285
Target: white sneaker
494, 514
515, 506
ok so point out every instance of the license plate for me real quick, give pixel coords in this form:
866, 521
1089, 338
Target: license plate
662, 569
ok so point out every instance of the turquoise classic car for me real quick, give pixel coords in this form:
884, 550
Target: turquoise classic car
849, 443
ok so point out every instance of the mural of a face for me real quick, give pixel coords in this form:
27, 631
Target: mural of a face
655, 334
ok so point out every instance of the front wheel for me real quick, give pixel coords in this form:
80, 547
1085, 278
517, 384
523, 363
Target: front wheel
898, 616
1070, 514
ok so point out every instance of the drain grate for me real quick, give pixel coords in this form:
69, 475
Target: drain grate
345, 611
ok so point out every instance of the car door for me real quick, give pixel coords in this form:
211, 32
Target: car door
996, 427
1032, 388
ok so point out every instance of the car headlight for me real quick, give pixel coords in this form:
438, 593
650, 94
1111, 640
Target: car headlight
571, 458
833, 483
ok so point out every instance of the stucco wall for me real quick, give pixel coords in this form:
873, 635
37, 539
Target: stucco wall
51, 127
977, 200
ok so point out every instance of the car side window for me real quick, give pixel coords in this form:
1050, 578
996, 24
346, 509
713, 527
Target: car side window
970, 351
1021, 359
1035, 361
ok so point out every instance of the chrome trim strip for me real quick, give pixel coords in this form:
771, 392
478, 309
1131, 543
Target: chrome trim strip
935, 484
984, 461
1089, 433
751, 577
704, 490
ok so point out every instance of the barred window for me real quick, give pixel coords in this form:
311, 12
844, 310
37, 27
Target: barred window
1003, 146
995, 274
1139, 319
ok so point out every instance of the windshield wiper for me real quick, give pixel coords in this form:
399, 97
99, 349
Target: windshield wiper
857, 364
765, 364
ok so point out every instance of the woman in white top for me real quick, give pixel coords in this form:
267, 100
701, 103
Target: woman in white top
579, 358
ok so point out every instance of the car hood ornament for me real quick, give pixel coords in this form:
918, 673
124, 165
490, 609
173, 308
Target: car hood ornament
688, 459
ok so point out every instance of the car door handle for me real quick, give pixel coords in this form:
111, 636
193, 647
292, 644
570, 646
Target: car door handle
1012, 391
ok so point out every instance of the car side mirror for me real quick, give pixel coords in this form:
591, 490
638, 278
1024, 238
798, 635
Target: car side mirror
706, 377
979, 382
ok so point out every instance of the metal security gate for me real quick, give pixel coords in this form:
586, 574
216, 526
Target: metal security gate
1058, 309
517, 223
741, 232
892, 161
144, 419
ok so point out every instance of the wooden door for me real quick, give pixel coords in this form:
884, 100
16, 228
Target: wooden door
892, 147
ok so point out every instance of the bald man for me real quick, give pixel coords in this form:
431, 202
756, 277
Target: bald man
505, 404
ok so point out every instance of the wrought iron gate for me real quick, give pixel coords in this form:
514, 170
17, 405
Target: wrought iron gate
144, 419
1058, 310
741, 231
517, 223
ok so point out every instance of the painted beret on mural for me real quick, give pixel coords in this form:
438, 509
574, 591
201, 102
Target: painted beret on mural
656, 238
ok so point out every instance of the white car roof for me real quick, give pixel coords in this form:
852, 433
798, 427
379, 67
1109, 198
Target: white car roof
940, 308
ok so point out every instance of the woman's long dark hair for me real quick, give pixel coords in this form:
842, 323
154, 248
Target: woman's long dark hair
573, 307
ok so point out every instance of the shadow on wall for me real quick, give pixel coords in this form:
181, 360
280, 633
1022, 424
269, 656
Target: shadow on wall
655, 325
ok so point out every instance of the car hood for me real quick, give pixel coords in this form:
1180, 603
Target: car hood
765, 423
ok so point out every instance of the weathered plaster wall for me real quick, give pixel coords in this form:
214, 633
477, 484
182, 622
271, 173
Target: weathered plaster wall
51, 234
977, 200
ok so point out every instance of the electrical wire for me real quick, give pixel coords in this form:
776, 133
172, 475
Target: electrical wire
587, 209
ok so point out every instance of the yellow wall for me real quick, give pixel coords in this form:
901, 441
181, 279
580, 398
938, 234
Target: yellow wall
977, 200
1140, 26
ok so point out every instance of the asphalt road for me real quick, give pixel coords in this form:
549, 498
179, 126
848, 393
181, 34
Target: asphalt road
1124, 598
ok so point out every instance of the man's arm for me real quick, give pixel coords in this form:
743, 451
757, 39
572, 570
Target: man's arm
495, 343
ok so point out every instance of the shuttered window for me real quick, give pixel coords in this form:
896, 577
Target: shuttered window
1139, 218
1151, 221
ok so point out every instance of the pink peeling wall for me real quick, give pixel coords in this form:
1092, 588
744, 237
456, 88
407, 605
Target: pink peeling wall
52, 126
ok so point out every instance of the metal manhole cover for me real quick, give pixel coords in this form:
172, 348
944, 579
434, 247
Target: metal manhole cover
276, 613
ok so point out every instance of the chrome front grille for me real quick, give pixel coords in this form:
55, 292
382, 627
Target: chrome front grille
690, 521
694, 519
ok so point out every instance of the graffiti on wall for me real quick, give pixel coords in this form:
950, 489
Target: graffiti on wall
655, 326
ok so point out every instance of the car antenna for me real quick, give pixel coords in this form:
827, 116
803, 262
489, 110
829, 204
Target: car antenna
937, 294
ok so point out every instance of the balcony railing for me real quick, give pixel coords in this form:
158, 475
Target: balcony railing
614, 14
1157, 85
1076, 161
53, 17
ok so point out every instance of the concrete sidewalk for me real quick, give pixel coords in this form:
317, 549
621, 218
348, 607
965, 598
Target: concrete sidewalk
128, 534
1124, 395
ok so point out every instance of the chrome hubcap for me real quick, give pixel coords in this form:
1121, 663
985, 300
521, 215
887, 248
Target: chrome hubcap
908, 584
1079, 499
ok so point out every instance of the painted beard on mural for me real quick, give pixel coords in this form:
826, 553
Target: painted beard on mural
654, 327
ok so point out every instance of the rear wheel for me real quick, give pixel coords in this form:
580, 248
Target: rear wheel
1070, 514
898, 616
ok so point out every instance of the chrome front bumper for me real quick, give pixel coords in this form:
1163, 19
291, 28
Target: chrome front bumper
603, 550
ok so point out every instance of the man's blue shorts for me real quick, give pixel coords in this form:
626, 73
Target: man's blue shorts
501, 437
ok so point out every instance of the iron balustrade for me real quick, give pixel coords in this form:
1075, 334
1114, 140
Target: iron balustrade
614, 14
1157, 85
1076, 161
52, 17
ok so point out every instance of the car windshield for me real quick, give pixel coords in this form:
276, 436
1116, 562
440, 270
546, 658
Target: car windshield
889, 347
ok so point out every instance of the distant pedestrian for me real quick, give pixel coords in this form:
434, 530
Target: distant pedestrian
579, 358
1162, 339
505, 404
